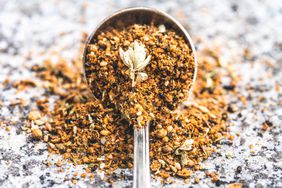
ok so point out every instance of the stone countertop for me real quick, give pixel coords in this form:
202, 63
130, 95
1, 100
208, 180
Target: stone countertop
30, 28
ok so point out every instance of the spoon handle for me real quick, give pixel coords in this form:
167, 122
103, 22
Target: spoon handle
141, 178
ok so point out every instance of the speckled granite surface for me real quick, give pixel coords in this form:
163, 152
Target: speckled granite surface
29, 28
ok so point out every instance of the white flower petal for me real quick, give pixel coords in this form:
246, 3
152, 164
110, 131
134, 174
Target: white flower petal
132, 75
187, 145
125, 58
140, 54
143, 64
128, 60
141, 76
131, 55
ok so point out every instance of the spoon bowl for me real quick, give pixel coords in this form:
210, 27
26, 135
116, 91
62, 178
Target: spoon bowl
142, 15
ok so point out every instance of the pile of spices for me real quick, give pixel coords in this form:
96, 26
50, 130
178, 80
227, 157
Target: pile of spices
86, 131
144, 71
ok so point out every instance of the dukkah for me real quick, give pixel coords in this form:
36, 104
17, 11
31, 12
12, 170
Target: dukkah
86, 131
94, 132
144, 71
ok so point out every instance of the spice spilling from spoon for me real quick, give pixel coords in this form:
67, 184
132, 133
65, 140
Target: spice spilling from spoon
84, 131
143, 70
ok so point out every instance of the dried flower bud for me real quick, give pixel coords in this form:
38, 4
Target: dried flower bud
135, 59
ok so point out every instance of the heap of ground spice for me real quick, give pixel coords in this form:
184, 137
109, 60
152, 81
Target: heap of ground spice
167, 72
85, 131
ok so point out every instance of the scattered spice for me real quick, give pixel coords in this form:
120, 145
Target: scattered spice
197, 180
8, 129
34, 115
36, 133
23, 84
184, 173
87, 130
235, 185
266, 125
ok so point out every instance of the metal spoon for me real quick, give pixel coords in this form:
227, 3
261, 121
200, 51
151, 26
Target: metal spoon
122, 19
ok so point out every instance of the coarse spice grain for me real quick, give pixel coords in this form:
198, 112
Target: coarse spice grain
86, 131
155, 87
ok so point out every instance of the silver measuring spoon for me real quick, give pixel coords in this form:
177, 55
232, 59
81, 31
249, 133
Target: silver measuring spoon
122, 19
